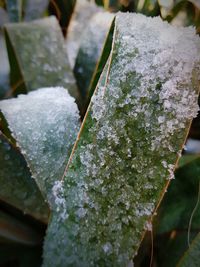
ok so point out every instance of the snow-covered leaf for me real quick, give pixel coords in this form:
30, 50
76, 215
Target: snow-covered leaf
45, 124
38, 56
128, 147
15, 230
17, 187
83, 12
91, 47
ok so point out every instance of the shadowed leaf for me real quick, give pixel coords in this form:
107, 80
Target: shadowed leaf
17, 186
192, 255
179, 201
63, 10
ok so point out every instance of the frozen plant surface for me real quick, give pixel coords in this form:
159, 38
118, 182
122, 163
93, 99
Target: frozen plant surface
17, 187
45, 124
91, 47
83, 12
130, 142
40, 52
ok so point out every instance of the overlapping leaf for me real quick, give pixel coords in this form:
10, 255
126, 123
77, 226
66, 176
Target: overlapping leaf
129, 145
17, 187
192, 255
45, 125
37, 56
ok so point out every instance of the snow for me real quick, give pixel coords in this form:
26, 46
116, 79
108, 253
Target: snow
45, 124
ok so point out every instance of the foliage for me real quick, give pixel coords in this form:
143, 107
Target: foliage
96, 188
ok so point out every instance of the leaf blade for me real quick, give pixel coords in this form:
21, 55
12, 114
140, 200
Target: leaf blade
44, 123
117, 172
48, 65
17, 187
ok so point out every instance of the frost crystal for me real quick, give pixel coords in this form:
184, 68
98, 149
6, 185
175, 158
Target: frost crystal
45, 124
136, 126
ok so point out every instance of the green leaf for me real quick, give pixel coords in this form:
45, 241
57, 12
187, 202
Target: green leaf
83, 12
128, 147
17, 187
37, 56
34, 9
187, 158
192, 255
45, 124
14, 230
179, 202
14, 8
91, 47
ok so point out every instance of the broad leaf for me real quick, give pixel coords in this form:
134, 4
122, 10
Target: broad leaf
45, 124
180, 200
17, 187
83, 11
91, 47
14, 8
128, 147
34, 9
37, 56
192, 255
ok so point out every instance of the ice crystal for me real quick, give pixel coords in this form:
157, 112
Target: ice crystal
44, 123
135, 129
